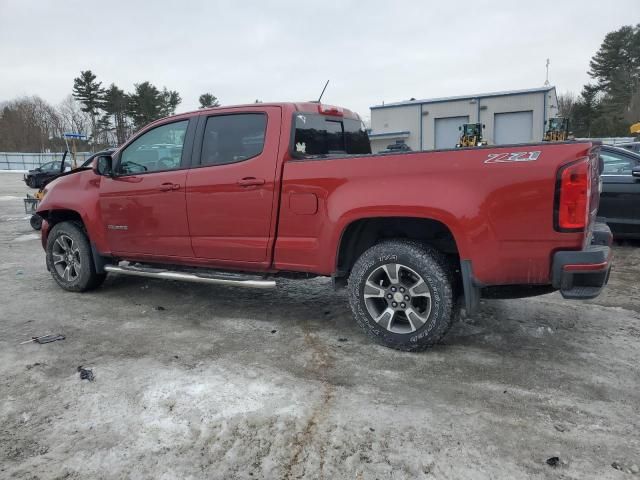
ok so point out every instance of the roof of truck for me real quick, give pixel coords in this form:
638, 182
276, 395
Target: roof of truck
306, 107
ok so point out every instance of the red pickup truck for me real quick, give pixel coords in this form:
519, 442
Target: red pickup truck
244, 195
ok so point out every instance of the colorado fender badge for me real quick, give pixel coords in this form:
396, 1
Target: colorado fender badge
513, 157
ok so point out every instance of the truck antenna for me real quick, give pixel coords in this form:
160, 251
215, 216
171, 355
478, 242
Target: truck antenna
325, 87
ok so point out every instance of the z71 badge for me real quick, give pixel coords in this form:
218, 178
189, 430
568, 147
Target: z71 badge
512, 157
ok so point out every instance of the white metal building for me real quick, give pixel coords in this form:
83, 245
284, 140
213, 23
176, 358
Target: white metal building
516, 116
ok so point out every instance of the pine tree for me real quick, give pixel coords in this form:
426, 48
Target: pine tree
114, 103
208, 100
89, 93
147, 103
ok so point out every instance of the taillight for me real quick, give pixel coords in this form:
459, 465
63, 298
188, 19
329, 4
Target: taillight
573, 191
330, 110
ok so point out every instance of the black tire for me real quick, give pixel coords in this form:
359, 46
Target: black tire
83, 278
416, 260
36, 222
31, 182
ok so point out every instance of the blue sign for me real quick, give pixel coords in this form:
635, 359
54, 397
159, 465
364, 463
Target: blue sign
75, 135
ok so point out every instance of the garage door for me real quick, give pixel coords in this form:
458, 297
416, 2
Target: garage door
447, 132
513, 127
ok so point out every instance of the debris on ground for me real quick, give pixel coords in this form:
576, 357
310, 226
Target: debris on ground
160, 308
274, 331
45, 339
634, 469
86, 374
553, 461
342, 339
559, 427
33, 365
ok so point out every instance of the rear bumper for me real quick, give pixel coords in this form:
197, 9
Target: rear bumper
582, 274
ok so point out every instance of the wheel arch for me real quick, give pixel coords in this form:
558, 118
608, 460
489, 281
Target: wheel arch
362, 233
56, 216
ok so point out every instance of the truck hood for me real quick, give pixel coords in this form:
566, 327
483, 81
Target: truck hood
65, 174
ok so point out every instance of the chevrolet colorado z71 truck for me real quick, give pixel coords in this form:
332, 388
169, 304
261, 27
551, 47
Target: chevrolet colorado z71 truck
244, 195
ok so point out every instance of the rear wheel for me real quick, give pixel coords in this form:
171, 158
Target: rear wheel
400, 293
70, 260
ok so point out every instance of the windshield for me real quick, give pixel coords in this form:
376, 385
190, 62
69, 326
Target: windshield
324, 135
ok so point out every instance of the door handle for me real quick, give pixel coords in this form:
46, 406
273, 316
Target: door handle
251, 182
168, 186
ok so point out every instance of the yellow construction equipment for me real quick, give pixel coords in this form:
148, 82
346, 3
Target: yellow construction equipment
471, 135
557, 130
635, 128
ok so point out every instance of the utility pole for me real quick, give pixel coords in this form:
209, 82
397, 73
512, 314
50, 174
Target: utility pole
546, 82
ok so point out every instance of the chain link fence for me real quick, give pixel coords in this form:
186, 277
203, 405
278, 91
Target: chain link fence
28, 161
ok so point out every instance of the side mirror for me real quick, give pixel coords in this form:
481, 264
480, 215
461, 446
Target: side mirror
635, 172
103, 166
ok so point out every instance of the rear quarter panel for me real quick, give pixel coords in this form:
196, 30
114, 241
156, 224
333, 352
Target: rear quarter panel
500, 213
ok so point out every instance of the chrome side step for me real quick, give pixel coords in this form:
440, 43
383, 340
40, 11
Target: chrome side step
233, 279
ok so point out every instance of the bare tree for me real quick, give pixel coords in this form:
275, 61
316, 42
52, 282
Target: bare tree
28, 124
73, 119
566, 104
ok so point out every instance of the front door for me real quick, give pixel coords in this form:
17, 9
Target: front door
230, 187
143, 205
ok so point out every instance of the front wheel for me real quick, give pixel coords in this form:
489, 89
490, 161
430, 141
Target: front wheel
70, 260
400, 292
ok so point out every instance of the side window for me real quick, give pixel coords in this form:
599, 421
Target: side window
156, 150
233, 138
615, 164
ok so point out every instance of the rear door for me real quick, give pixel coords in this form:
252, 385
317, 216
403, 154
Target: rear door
231, 185
620, 197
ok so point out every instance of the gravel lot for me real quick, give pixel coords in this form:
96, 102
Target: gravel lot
194, 381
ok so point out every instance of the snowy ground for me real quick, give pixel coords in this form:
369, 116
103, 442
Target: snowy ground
225, 383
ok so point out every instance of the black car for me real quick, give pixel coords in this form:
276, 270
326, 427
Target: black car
633, 146
39, 177
620, 196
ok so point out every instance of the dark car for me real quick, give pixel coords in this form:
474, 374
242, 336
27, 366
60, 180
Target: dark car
620, 198
39, 177
633, 146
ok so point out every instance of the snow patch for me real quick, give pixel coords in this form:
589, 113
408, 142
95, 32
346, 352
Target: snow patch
8, 198
27, 237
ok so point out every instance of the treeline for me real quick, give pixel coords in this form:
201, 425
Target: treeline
106, 115
611, 104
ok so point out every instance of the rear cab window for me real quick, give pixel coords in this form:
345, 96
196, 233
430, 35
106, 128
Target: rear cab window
324, 135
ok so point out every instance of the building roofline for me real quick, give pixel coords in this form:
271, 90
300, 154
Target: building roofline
385, 134
505, 93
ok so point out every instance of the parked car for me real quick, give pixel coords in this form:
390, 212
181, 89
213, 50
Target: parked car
620, 197
265, 191
633, 146
39, 177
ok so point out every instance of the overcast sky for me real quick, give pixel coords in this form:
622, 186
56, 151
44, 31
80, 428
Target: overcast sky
372, 51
